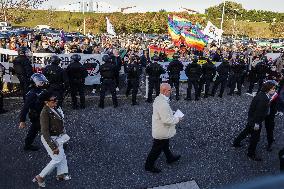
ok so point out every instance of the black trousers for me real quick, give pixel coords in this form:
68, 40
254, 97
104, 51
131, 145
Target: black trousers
254, 138
108, 85
218, 81
174, 82
281, 159
270, 123
157, 148
116, 76
207, 82
236, 79
132, 84
33, 131
195, 84
24, 85
153, 84
1, 95
75, 89
252, 81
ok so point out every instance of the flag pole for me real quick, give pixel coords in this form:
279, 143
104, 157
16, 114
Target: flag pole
222, 20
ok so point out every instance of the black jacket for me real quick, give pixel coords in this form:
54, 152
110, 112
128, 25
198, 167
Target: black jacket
155, 70
55, 75
174, 69
107, 71
259, 108
76, 73
23, 66
223, 70
133, 71
193, 71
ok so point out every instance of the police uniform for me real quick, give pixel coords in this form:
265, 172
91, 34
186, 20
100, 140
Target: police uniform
154, 71
174, 69
2, 69
261, 71
237, 68
76, 74
208, 73
133, 71
32, 106
57, 78
193, 73
23, 70
223, 73
107, 72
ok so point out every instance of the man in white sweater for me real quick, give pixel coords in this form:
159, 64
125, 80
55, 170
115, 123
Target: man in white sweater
163, 128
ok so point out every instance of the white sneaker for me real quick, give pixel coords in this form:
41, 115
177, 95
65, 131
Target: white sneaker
117, 89
93, 91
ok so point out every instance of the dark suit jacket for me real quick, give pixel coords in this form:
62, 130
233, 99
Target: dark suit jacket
259, 108
51, 125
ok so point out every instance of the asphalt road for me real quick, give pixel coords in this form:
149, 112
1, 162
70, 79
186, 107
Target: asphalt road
108, 147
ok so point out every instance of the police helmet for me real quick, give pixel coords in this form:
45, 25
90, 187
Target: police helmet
106, 58
22, 50
156, 58
54, 60
39, 80
76, 57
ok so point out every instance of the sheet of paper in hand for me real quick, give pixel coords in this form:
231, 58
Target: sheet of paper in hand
178, 114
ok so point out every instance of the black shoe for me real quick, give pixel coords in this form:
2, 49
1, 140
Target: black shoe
3, 111
187, 99
82, 106
220, 96
196, 99
101, 106
212, 94
205, 96
230, 94
237, 145
254, 158
134, 103
173, 159
31, 148
152, 169
239, 93
115, 105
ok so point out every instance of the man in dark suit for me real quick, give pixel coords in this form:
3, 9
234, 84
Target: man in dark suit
258, 110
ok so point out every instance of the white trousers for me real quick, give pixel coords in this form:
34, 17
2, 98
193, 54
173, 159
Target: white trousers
59, 161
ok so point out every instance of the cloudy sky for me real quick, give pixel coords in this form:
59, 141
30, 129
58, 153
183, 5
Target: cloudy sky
174, 5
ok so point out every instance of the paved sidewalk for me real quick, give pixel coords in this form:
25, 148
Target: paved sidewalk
182, 185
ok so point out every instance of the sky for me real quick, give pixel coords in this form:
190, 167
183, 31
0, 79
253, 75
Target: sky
172, 5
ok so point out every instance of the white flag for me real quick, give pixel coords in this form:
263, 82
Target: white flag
110, 29
213, 32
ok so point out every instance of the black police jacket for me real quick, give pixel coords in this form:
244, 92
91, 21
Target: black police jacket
55, 75
174, 69
33, 105
261, 70
107, 70
208, 70
76, 73
23, 66
223, 70
133, 71
155, 70
238, 68
193, 71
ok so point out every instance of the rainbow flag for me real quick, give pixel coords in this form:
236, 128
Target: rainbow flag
156, 51
182, 30
173, 30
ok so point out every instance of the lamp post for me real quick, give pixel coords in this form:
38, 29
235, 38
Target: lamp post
222, 20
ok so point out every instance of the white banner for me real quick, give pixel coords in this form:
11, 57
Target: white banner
92, 63
213, 32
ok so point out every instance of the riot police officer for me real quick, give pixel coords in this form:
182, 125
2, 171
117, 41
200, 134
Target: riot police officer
133, 71
76, 74
237, 68
2, 70
193, 73
174, 69
252, 77
108, 77
261, 71
56, 77
154, 71
223, 73
208, 73
23, 70
33, 106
